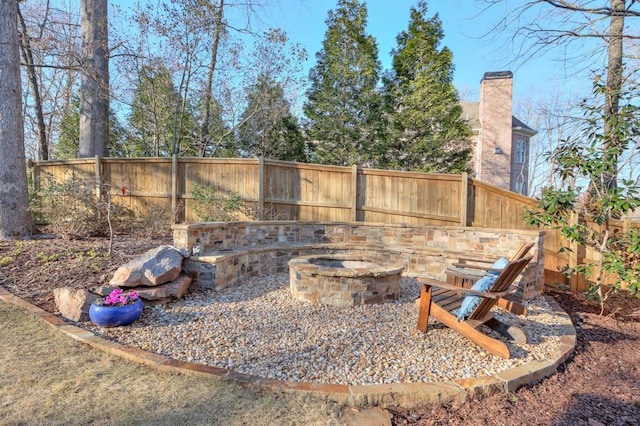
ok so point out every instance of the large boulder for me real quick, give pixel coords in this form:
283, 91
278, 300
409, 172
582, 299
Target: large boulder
72, 303
172, 290
155, 267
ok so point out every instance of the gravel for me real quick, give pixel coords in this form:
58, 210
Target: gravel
257, 328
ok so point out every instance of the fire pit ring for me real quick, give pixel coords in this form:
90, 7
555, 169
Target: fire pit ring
344, 279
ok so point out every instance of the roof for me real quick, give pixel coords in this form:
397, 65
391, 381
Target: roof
471, 114
497, 75
519, 125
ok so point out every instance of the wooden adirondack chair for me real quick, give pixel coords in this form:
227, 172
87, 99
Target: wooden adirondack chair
467, 271
438, 299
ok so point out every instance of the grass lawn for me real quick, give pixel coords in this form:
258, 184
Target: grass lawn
48, 378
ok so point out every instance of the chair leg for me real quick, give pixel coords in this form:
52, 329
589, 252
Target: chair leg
425, 308
489, 344
510, 303
510, 332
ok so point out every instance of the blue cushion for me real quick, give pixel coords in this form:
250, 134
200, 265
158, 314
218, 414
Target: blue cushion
499, 264
471, 301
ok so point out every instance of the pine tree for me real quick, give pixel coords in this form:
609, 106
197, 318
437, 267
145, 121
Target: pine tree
153, 116
427, 131
344, 106
69, 134
269, 128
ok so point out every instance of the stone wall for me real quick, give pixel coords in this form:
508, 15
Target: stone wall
229, 252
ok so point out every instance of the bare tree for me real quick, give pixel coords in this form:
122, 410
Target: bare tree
15, 220
51, 50
543, 24
27, 55
208, 88
553, 115
94, 90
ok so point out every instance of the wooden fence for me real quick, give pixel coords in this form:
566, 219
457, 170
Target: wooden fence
310, 192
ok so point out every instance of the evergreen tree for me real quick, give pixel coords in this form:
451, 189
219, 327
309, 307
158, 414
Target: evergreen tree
427, 131
269, 129
220, 139
153, 118
344, 106
69, 136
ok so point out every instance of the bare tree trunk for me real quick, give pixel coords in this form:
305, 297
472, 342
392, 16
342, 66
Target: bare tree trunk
613, 89
15, 220
94, 88
27, 54
208, 94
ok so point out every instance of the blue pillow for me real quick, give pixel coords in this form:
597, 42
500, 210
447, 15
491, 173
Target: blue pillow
471, 301
499, 264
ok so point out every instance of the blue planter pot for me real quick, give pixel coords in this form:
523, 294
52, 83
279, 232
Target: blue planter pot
114, 316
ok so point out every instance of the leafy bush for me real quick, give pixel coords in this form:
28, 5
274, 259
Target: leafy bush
593, 158
154, 222
212, 204
73, 209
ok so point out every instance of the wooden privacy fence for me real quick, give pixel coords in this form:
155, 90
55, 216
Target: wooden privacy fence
298, 191
308, 192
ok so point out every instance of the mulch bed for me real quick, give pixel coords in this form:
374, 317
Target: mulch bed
599, 384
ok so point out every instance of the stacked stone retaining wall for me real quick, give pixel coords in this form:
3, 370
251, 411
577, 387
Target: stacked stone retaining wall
226, 253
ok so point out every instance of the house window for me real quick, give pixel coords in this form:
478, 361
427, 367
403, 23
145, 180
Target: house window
521, 188
521, 151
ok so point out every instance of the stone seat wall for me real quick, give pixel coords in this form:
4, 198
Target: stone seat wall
231, 252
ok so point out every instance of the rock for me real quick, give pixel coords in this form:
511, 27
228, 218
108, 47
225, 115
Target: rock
73, 304
366, 416
155, 267
173, 290
103, 290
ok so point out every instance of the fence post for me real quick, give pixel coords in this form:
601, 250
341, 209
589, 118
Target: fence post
32, 169
261, 183
354, 193
174, 187
98, 178
464, 199
577, 282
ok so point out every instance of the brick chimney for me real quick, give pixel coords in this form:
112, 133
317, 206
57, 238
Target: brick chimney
493, 154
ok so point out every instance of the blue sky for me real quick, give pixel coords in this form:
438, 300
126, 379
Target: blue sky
464, 26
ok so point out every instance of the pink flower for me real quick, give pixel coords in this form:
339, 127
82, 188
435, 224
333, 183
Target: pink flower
118, 297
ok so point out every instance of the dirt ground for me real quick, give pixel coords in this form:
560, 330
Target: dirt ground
599, 384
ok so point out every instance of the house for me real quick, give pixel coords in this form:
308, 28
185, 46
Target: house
500, 140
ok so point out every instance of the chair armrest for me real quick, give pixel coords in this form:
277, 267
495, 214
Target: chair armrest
445, 286
479, 267
471, 259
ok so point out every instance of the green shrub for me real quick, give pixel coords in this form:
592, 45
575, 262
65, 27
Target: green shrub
212, 204
72, 209
594, 157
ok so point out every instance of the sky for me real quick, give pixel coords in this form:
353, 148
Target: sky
464, 25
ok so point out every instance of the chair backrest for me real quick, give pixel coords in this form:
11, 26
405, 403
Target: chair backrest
522, 251
508, 275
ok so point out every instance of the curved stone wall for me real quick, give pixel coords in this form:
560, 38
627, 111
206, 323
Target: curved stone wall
226, 252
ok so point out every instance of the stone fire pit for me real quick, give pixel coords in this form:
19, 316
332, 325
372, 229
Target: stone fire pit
344, 280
